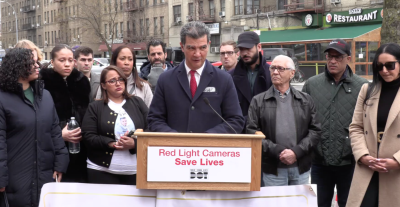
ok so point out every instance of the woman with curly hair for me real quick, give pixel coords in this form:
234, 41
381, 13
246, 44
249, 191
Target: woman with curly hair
32, 151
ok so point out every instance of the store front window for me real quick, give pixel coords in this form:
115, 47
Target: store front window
364, 56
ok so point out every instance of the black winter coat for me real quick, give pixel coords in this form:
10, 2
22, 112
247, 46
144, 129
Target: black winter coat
99, 124
263, 83
71, 99
31, 146
262, 117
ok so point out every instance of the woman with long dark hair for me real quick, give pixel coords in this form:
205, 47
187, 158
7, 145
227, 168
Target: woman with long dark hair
375, 134
32, 151
124, 58
111, 153
70, 90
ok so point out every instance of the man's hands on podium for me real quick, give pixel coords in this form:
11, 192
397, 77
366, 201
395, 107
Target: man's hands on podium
288, 157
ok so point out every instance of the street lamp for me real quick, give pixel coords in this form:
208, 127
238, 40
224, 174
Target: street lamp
16, 20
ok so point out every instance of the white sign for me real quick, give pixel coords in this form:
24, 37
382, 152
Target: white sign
347, 19
214, 28
355, 11
199, 164
308, 20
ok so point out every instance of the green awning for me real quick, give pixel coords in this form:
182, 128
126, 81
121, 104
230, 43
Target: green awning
300, 35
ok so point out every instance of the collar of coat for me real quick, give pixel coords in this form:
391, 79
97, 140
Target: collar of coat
270, 93
37, 86
347, 75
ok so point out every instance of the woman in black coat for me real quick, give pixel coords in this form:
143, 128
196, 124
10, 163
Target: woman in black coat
32, 151
111, 153
70, 90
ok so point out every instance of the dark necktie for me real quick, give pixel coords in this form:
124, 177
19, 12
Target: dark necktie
193, 83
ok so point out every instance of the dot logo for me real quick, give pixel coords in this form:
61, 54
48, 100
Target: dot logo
328, 18
201, 174
308, 20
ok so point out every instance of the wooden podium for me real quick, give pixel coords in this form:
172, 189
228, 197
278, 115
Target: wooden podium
156, 139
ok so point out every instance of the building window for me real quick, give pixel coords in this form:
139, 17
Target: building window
238, 7
147, 2
212, 8
161, 25
215, 41
121, 28
154, 2
105, 30
222, 5
105, 6
281, 4
190, 13
251, 6
121, 5
52, 16
155, 26
141, 27
177, 12
147, 26
134, 27
140, 3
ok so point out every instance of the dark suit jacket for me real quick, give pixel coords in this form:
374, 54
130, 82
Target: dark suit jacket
174, 110
263, 82
94, 84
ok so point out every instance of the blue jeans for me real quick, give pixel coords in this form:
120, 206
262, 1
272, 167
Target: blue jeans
286, 176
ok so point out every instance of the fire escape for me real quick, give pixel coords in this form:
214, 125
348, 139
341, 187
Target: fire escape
304, 6
201, 15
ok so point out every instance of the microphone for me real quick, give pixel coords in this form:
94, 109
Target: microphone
208, 103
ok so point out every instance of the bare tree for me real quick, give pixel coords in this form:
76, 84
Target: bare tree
391, 22
94, 15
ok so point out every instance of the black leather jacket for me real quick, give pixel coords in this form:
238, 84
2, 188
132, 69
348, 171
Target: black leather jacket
262, 117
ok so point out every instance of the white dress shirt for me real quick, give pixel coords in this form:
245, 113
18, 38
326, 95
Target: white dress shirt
197, 75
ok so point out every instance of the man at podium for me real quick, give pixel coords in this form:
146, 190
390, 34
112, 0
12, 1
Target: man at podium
287, 117
193, 96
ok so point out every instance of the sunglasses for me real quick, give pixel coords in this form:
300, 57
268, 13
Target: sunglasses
388, 65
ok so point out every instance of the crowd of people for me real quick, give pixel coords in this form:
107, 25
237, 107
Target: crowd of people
340, 130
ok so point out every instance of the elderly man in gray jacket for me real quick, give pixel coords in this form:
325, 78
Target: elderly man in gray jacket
287, 117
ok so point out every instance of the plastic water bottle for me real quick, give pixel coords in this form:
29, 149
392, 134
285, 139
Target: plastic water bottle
74, 148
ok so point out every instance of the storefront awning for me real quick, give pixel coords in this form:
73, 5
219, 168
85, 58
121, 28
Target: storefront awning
304, 35
133, 46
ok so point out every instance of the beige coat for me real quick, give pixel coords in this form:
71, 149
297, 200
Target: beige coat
363, 135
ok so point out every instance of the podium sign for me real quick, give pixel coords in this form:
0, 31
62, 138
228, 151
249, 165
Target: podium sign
198, 161
199, 164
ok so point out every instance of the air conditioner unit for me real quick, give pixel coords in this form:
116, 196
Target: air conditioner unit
44, 22
189, 18
335, 1
9, 14
222, 14
45, 42
33, 7
38, 25
20, 9
37, 6
110, 36
120, 35
73, 39
178, 20
215, 49
33, 25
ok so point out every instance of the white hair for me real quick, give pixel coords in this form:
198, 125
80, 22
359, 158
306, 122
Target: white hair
289, 61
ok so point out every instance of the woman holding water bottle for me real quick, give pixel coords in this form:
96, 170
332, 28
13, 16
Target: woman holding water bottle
105, 129
70, 90
32, 151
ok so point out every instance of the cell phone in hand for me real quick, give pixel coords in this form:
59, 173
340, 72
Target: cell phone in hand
130, 134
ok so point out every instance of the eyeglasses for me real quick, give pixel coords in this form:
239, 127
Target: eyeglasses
337, 58
114, 81
388, 65
272, 68
229, 53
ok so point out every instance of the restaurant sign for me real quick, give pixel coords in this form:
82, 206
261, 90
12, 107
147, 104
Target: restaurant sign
356, 15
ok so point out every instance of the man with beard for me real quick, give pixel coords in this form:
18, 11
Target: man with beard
156, 53
83, 57
251, 75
